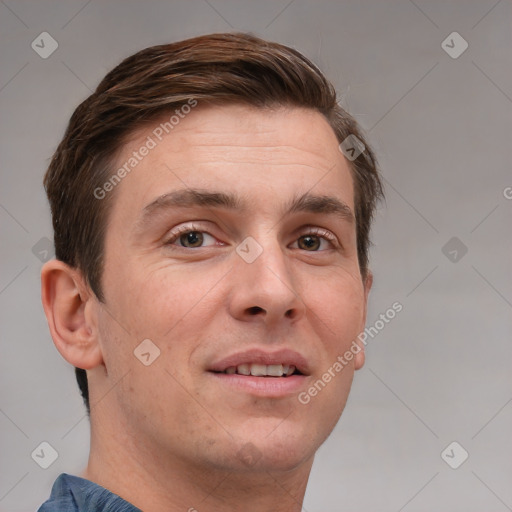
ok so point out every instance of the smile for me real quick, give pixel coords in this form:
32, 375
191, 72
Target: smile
262, 370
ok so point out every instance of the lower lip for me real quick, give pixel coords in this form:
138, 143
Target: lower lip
273, 387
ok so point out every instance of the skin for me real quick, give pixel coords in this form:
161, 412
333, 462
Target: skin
169, 436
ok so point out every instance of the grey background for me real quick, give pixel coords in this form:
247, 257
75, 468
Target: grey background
440, 371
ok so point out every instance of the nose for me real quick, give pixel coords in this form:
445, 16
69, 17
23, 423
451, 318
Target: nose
265, 289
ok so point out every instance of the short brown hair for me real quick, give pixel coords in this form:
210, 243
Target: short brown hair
211, 69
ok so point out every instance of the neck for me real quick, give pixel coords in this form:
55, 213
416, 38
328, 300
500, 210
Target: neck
155, 483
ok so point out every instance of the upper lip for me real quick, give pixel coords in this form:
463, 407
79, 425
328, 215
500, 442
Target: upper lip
260, 356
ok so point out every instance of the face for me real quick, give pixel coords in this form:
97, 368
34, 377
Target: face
232, 247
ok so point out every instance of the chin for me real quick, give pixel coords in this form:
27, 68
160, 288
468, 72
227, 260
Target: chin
284, 462
282, 449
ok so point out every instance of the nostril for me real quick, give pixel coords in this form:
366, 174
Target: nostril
255, 310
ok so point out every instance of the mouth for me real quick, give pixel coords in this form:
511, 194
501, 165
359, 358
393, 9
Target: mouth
262, 373
262, 370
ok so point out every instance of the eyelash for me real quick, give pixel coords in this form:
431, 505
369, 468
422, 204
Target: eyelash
182, 230
327, 235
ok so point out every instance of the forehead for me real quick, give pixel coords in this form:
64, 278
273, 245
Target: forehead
273, 136
255, 152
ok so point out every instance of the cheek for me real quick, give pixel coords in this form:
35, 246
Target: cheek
338, 308
172, 308
153, 301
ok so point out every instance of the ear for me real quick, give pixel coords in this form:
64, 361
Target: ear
359, 357
69, 305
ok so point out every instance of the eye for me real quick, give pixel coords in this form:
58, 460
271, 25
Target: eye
191, 238
316, 240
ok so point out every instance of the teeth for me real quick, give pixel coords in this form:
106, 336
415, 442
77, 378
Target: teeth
243, 369
290, 370
258, 370
262, 370
275, 370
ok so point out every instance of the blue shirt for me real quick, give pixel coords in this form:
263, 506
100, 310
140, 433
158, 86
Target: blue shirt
75, 494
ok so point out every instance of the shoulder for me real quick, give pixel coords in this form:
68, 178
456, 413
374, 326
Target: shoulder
61, 497
74, 494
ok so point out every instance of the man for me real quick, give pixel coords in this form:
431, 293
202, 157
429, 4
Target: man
212, 269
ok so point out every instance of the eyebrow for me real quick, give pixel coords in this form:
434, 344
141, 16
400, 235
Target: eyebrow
320, 204
190, 198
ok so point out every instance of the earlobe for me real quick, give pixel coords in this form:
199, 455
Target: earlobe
69, 308
360, 356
